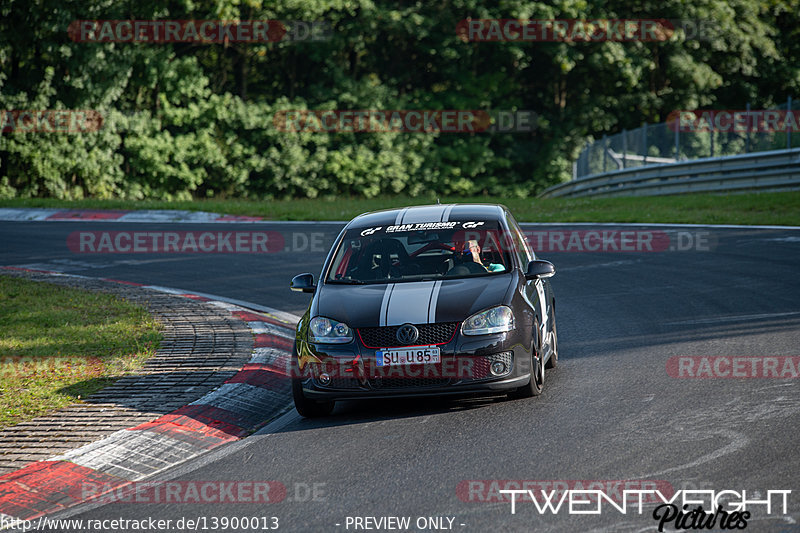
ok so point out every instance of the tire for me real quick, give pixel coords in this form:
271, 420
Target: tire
309, 408
553, 361
535, 385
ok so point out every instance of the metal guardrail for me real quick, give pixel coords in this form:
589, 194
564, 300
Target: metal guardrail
675, 140
763, 171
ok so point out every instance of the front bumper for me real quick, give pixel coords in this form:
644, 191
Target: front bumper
499, 386
351, 372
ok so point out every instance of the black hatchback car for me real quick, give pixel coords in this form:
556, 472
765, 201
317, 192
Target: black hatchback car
429, 300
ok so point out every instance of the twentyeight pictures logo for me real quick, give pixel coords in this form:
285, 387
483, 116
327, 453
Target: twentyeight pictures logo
596, 500
682, 508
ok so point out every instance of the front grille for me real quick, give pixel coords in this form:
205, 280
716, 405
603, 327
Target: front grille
385, 337
407, 383
339, 383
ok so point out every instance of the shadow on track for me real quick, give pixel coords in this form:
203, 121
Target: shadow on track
384, 410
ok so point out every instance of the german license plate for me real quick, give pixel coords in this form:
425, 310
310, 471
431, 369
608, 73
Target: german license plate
417, 355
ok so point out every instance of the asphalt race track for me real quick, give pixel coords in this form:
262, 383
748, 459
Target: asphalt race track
610, 411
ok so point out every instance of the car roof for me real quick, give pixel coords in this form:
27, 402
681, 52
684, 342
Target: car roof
429, 213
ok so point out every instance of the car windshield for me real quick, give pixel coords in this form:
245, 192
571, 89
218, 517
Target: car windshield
404, 253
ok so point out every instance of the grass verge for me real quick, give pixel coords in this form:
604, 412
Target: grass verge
779, 208
59, 344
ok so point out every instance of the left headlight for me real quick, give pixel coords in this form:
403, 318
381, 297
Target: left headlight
325, 330
494, 320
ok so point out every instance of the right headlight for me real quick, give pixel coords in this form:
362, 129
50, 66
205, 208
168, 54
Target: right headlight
325, 330
494, 320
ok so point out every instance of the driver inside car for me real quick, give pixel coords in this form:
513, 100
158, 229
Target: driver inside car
472, 252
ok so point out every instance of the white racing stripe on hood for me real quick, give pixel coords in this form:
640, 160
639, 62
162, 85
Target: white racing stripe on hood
399, 219
431, 213
414, 215
446, 214
387, 293
433, 302
413, 303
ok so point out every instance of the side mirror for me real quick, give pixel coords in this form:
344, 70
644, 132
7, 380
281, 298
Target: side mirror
303, 283
540, 269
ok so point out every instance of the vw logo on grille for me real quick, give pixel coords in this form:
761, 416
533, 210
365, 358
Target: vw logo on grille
406, 334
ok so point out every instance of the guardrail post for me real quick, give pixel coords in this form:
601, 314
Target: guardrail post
586, 169
789, 129
644, 144
711, 137
605, 151
747, 130
677, 140
624, 148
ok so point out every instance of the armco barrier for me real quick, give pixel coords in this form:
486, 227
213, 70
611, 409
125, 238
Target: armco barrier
763, 171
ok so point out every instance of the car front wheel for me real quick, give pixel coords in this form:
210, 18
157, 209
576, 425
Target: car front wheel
306, 407
553, 361
535, 385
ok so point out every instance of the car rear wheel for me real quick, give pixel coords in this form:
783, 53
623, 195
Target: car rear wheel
306, 407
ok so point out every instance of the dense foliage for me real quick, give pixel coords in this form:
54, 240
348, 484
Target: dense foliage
187, 120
